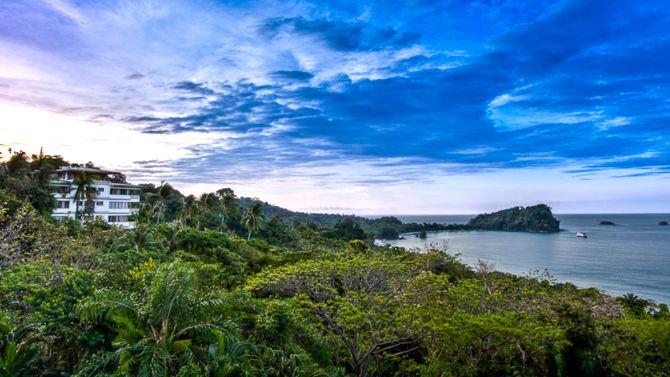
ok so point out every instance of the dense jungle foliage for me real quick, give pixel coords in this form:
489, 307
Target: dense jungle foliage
210, 286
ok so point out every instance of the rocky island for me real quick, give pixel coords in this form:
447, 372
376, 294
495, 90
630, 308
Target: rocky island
663, 222
607, 222
536, 218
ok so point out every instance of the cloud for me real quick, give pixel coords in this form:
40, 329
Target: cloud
293, 75
134, 76
339, 35
192, 87
389, 91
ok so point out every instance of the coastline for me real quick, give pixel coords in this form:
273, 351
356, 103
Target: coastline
616, 260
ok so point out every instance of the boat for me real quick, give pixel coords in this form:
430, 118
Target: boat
581, 234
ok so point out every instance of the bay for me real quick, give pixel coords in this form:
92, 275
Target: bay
630, 257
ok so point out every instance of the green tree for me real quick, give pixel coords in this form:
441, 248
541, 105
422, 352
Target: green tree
636, 305
359, 296
228, 203
164, 327
210, 208
253, 218
27, 236
43, 167
83, 190
140, 239
18, 163
27, 179
161, 197
17, 354
347, 229
188, 212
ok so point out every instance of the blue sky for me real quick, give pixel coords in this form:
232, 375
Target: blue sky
353, 106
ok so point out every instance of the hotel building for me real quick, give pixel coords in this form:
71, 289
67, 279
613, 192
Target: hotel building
112, 202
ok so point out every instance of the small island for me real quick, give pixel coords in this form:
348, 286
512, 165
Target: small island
607, 222
536, 218
663, 222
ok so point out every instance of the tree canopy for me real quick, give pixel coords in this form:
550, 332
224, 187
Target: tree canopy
190, 292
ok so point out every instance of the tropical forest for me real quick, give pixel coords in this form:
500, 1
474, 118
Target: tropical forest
218, 285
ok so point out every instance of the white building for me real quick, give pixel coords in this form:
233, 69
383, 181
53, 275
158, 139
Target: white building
112, 202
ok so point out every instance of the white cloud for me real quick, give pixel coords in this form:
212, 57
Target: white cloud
110, 145
614, 122
504, 99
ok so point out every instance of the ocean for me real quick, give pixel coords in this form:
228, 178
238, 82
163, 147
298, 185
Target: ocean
630, 257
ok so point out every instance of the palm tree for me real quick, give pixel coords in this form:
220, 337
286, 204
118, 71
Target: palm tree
229, 356
141, 238
164, 193
209, 204
229, 205
209, 201
84, 190
145, 215
17, 355
42, 167
253, 218
159, 331
188, 210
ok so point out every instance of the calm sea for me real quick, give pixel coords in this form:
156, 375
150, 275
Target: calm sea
631, 257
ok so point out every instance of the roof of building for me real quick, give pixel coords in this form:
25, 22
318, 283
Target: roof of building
86, 170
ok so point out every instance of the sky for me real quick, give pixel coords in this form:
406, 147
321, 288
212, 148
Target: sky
388, 107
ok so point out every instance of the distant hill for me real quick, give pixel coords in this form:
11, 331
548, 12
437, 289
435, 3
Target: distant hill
536, 218
520, 219
323, 219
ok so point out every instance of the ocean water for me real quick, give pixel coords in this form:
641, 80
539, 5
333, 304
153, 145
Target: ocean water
631, 257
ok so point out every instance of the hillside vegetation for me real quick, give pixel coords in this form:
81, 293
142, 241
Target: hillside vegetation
208, 286
536, 218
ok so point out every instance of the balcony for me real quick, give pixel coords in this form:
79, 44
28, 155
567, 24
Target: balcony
118, 211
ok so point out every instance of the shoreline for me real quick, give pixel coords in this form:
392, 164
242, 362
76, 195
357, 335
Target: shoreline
584, 263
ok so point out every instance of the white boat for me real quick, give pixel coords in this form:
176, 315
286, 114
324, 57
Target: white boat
581, 234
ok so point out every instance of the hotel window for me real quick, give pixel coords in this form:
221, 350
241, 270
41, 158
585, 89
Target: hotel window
63, 204
60, 190
100, 190
117, 191
118, 219
113, 205
118, 205
99, 203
